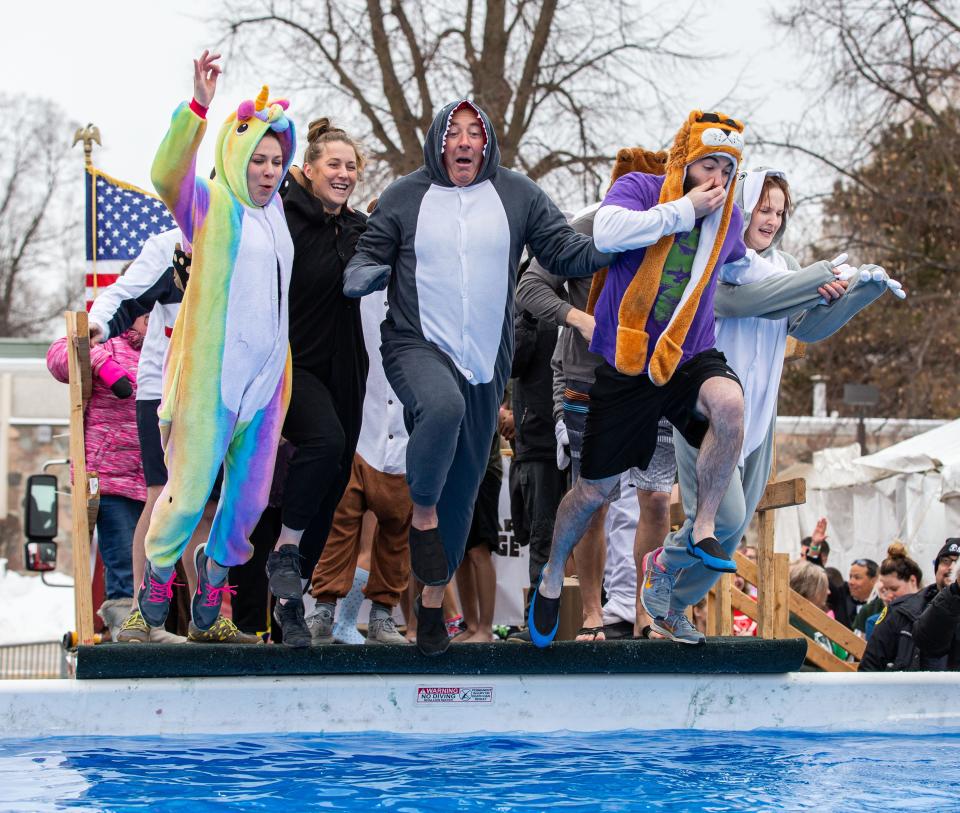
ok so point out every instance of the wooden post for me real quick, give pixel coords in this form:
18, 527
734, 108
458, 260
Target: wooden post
724, 605
81, 384
766, 577
713, 613
781, 595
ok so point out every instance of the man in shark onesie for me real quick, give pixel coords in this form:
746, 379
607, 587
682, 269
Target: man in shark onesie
226, 382
760, 301
448, 238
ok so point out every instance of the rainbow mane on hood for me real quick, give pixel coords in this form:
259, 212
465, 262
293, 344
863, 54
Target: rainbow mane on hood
242, 132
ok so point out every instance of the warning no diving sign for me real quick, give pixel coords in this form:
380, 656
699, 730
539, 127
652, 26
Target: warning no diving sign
454, 694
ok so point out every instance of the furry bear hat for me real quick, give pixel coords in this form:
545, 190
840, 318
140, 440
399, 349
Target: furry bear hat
702, 135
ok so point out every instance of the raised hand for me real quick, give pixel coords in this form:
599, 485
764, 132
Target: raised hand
205, 74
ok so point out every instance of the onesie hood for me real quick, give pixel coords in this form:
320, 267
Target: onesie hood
437, 138
749, 188
242, 132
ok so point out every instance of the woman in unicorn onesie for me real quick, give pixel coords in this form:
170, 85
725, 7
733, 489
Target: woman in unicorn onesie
227, 372
760, 301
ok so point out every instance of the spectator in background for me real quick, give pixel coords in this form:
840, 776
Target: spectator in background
476, 576
810, 581
113, 451
944, 563
815, 548
920, 629
859, 595
743, 624
899, 576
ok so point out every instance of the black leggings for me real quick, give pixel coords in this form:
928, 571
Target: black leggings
323, 424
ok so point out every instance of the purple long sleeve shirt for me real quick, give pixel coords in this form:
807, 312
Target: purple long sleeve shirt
638, 191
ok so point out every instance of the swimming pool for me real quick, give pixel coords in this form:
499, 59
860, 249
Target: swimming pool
664, 770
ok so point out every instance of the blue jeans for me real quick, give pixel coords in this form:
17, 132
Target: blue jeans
116, 523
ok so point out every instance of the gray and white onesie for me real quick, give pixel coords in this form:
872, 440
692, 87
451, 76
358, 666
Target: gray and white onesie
450, 256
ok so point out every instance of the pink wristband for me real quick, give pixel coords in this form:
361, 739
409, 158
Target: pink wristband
198, 108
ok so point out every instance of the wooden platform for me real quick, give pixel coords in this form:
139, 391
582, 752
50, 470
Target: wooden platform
717, 656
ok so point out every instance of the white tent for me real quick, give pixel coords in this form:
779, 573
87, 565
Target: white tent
909, 491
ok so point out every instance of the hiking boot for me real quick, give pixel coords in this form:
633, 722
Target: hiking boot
432, 638
382, 629
657, 586
283, 570
114, 612
320, 625
711, 553
289, 616
205, 607
221, 631
154, 596
133, 630
677, 627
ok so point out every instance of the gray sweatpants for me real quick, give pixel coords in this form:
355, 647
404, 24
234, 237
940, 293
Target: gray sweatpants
451, 423
733, 517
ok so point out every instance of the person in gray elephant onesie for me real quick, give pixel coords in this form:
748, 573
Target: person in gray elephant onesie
446, 240
760, 301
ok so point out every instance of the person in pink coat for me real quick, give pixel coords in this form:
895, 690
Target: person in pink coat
113, 449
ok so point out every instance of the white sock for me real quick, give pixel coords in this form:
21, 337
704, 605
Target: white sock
350, 603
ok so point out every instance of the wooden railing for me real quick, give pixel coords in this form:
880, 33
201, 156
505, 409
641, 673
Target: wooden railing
775, 601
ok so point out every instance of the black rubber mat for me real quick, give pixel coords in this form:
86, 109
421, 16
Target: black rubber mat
716, 656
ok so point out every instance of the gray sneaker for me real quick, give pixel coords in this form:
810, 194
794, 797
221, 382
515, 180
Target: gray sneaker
657, 587
320, 624
383, 630
677, 627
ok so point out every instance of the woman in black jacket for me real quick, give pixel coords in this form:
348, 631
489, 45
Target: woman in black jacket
329, 363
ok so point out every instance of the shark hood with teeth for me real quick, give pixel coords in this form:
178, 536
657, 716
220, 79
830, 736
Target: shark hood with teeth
437, 139
749, 189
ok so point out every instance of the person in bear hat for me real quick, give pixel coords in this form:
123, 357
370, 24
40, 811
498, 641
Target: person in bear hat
945, 562
655, 331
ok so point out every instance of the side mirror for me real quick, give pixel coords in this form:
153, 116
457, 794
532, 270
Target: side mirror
40, 555
40, 504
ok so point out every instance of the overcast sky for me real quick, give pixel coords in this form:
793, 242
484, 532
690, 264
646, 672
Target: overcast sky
126, 65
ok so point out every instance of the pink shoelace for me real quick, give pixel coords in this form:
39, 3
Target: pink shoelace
215, 594
161, 592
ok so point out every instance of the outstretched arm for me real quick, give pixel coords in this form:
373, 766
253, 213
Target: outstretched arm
174, 173
371, 265
555, 244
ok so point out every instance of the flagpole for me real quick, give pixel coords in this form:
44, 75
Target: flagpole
88, 135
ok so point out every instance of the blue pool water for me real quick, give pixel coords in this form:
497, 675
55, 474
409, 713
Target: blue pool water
674, 771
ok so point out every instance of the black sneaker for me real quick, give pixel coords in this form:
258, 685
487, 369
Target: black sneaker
520, 637
283, 570
290, 618
205, 607
154, 595
432, 637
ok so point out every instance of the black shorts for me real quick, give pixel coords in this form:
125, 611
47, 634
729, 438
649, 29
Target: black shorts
621, 429
485, 527
151, 450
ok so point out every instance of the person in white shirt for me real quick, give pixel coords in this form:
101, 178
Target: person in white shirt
377, 484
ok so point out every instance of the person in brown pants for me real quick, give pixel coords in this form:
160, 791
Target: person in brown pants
377, 484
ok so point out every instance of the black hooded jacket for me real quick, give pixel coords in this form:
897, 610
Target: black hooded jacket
326, 335
917, 633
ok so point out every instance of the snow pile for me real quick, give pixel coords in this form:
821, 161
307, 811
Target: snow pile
30, 610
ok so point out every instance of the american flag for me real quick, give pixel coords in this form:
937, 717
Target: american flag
120, 218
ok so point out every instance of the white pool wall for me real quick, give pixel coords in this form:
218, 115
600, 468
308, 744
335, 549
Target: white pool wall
408, 704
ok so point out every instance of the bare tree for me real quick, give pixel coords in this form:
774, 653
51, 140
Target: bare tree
888, 129
552, 75
38, 217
